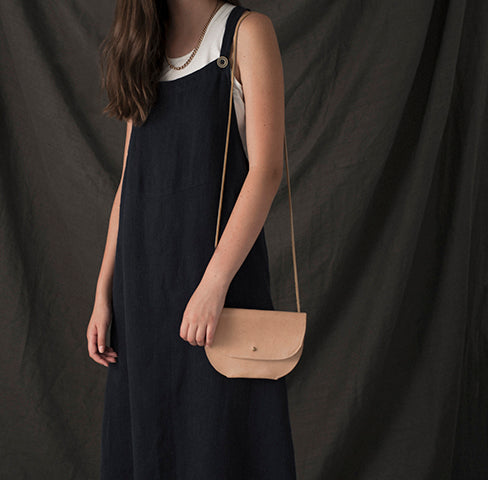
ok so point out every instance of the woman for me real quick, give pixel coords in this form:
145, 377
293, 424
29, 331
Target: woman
162, 285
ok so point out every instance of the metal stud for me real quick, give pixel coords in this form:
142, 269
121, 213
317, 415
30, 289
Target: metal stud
222, 61
254, 348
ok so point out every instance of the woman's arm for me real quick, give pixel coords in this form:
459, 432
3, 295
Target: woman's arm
261, 75
102, 310
104, 283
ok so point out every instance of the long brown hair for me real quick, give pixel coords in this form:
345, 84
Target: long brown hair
131, 58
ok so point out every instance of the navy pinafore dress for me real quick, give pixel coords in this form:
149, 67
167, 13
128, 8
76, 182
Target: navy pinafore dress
168, 414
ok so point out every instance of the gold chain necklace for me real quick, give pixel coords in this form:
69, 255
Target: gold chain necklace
194, 51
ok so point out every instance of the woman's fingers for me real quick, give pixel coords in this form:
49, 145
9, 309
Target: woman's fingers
210, 334
92, 346
93, 337
198, 324
99, 358
193, 333
110, 355
190, 336
101, 339
96, 334
110, 352
200, 334
110, 359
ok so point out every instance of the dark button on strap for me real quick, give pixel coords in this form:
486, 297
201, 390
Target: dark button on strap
222, 61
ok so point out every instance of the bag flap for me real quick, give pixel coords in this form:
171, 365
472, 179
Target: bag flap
259, 334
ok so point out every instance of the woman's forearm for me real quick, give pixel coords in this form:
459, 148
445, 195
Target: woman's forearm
103, 293
104, 283
245, 222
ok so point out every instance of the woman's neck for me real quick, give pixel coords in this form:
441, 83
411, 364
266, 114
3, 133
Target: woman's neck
185, 23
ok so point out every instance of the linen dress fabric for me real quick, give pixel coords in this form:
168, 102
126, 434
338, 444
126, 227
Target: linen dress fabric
168, 414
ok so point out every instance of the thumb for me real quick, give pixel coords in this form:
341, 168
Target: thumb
101, 339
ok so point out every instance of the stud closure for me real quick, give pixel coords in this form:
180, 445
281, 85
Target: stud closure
254, 348
222, 61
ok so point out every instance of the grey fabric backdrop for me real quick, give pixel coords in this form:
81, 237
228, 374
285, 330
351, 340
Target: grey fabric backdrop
386, 125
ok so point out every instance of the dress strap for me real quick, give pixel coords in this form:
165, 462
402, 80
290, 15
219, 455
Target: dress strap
230, 26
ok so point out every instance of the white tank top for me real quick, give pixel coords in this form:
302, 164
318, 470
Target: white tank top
209, 51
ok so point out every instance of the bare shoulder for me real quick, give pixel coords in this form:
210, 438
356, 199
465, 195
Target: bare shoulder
257, 20
256, 42
255, 29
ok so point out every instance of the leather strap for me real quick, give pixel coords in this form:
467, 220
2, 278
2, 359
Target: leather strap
225, 164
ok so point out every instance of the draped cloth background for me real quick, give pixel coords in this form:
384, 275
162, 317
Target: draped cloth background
386, 125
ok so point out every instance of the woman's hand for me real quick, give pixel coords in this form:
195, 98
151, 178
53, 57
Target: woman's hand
202, 312
96, 334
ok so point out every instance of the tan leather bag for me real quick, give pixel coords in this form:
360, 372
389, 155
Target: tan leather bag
254, 343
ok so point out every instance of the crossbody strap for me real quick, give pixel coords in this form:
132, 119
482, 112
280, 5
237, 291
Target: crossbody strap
225, 164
